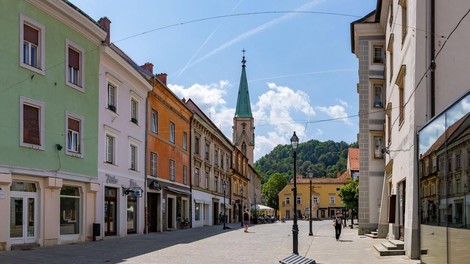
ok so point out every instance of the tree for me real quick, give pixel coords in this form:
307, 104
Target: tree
271, 189
349, 194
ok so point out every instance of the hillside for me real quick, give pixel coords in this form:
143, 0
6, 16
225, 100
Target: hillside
325, 159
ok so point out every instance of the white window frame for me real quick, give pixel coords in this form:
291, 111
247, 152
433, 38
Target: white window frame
80, 86
106, 155
172, 170
41, 69
78, 153
133, 157
42, 123
185, 174
332, 199
316, 199
153, 164
185, 140
134, 110
287, 200
114, 103
172, 132
154, 121
299, 200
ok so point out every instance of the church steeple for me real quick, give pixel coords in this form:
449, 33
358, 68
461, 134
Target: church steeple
243, 101
243, 122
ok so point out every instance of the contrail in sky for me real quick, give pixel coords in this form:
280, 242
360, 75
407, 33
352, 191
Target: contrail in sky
204, 43
300, 74
256, 30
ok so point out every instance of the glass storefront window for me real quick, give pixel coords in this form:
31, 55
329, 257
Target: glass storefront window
131, 214
69, 210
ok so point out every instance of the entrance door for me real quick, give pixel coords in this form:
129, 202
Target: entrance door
110, 211
170, 213
153, 211
23, 212
402, 195
215, 215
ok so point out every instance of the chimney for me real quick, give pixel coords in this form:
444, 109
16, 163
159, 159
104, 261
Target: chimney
105, 23
162, 77
148, 66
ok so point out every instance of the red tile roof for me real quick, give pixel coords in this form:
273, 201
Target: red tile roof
353, 156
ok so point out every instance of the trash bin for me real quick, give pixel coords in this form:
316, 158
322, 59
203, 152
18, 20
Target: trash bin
96, 230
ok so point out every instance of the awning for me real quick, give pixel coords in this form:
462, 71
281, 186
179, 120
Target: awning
177, 190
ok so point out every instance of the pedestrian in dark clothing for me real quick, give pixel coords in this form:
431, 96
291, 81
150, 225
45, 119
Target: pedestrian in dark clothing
246, 220
337, 222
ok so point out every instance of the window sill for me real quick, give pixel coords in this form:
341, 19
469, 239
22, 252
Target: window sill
32, 146
76, 87
74, 154
32, 68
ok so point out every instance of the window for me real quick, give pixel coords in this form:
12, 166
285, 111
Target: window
207, 180
172, 170
172, 132
216, 183
287, 200
112, 97
133, 157
404, 20
110, 141
434, 164
426, 167
390, 51
74, 65
378, 147
378, 56
197, 179
197, 211
134, 111
332, 200
32, 123
196, 145
32, 45
299, 200
185, 174
153, 164
378, 95
315, 199
390, 11
69, 210
401, 93
222, 160
389, 123
154, 121
244, 148
207, 151
185, 141
216, 157
74, 135
457, 161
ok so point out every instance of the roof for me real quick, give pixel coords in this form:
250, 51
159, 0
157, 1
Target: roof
243, 101
342, 179
361, 20
353, 159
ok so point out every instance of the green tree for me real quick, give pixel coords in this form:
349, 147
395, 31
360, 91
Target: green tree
349, 194
271, 189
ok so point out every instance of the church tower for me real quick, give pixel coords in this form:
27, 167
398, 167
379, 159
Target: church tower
243, 122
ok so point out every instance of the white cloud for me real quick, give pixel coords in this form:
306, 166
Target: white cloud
336, 111
207, 94
344, 103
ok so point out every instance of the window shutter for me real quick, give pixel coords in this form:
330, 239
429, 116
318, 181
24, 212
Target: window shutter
31, 35
31, 124
74, 124
74, 59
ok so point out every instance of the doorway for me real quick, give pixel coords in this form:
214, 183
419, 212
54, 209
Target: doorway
170, 212
401, 210
23, 213
215, 215
153, 211
110, 211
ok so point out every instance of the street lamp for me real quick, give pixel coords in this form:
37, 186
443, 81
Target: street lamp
294, 140
256, 216
224, 186
241, 204
310, 176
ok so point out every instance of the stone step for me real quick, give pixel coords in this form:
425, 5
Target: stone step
24, 246
374, 232
400, 244
390, 246
371, 235
386, 252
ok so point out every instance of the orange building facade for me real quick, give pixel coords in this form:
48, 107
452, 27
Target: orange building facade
168, 159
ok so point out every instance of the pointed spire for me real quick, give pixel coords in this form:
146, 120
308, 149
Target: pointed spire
243, 101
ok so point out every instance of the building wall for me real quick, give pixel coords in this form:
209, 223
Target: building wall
47, 167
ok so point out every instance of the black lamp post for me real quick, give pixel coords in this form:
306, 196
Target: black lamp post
310, 176
241, 204
294, 140
224, 186
256, 216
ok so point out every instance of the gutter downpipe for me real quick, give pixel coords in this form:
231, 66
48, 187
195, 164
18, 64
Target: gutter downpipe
433, 57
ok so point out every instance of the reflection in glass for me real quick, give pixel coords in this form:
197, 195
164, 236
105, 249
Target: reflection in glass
444, 168
16, 217
69, 210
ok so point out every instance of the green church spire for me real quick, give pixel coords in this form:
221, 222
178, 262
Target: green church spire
243, 101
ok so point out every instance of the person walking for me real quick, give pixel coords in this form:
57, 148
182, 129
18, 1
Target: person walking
337, 223
246, 220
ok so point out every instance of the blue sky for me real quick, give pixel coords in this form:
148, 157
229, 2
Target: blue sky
300, 69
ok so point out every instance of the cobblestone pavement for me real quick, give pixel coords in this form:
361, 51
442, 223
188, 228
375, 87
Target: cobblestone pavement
267, 243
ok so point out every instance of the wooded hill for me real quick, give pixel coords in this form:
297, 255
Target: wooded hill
325, 159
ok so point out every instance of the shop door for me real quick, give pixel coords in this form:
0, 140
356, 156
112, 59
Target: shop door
110, 211
23, 213
153, 212
402, 190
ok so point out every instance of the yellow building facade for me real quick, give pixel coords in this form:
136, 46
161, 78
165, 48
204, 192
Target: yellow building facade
325, 198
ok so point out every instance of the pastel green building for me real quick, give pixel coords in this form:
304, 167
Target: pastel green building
49, 67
